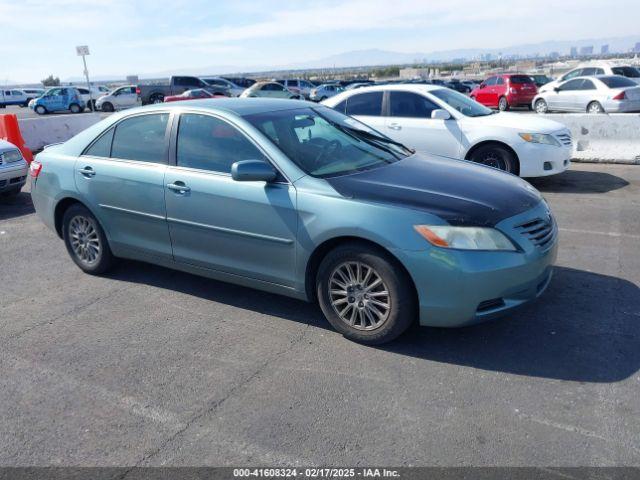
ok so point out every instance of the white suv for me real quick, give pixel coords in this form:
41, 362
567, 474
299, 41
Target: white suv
441, 121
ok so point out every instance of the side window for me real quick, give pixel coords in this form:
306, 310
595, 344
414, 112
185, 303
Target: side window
598, 71
588, 71
208, 143
575, 73
141, 138
500, 81
572, 85
587, 85
341, 107
411, 105
491, 81
16, 92
102, 146
365, 104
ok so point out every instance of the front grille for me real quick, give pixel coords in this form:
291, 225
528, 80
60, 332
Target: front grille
565, 139
540, 232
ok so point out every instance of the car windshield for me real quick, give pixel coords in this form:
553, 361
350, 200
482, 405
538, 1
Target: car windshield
325, 143
617, 82
461, 103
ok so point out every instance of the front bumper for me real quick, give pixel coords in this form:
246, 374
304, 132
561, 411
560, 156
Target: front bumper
539, 160
13, 175
458, 288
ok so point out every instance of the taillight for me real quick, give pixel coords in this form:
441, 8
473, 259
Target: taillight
620, 96
138, 90
35, 168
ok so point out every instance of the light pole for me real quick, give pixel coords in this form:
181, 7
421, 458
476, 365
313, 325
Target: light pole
83, 51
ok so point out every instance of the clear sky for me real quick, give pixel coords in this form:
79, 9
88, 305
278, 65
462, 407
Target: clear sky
38, 37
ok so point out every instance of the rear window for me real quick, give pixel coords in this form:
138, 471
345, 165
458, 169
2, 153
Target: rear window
521, 79
629, 72
618, 82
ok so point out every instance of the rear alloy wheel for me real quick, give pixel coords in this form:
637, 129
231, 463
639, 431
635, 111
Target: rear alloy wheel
156, 98
595, 107
495, 156
75, 108
40, 110
541, 106
503, 104
85, 240
364, 294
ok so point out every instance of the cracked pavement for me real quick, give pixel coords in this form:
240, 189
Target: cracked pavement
147, 366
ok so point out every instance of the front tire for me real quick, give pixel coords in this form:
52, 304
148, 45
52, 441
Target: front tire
75, 108
503, 104
85, 240
364, 294
496, 156
156, 98
107, 107
541, 106
595, 107
40, 110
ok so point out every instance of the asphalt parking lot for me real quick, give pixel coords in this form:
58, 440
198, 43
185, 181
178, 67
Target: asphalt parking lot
147, 366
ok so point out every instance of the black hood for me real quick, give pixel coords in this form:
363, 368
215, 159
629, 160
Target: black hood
460, 192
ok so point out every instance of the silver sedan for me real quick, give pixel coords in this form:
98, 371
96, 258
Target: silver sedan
596, 94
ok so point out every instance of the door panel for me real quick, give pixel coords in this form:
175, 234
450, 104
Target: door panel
128, 197
243, 228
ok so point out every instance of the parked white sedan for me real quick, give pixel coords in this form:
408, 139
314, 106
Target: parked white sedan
438, 120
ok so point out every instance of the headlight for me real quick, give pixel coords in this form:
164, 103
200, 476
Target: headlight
540, 138
465, 238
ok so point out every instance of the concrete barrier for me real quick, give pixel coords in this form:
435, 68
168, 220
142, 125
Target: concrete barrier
38, 132
606, 138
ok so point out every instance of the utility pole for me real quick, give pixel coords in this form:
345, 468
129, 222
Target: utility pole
83, 51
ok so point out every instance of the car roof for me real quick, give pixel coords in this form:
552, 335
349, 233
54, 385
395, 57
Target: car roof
234, 105
411, 87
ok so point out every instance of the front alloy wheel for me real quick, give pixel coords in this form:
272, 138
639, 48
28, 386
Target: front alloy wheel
541, 106
365, 294
359, 296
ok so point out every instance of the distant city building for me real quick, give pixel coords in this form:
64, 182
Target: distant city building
574, 51
604, 49
554, 55
636, 49
585, 51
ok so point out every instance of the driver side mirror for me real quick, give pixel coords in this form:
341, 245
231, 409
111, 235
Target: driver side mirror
253, 171
440, 114
557, 89
483, 85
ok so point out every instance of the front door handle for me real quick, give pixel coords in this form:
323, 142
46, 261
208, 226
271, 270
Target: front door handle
178, 187
395, 126
87, 171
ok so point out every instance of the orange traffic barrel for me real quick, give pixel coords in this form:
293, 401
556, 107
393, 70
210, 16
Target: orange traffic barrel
10, 131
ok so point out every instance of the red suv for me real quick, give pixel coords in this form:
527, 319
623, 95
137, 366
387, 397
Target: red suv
506, 91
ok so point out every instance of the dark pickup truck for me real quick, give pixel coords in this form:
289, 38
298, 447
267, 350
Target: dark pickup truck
155, 92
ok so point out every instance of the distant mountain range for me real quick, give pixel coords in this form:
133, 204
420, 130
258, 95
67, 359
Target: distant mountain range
376, 57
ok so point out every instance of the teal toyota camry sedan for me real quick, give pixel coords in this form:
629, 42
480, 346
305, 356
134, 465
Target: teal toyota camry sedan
300, 200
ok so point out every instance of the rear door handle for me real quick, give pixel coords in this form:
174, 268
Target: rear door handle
395, 126
87, 171
178, 187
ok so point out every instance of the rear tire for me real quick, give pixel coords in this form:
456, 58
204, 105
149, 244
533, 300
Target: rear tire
595, 107
370, 308
75, 108
503, 104
156, 98
496, 156
85, 240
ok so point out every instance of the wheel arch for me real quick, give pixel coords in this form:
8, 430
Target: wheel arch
321, 251
63, 205
499, 143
